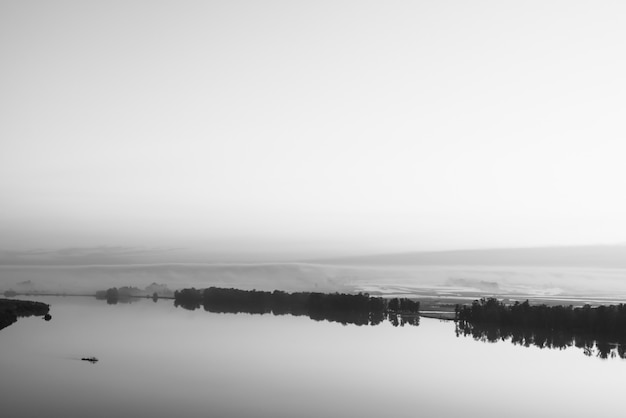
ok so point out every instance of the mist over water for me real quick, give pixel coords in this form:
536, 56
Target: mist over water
413, 280
594, 272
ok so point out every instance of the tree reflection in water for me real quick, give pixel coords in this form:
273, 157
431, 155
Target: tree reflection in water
599, 331
360, 309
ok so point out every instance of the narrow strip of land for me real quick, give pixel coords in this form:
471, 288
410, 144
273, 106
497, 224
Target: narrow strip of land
11, 310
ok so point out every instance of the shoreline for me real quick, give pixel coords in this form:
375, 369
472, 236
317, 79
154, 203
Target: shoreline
12, 309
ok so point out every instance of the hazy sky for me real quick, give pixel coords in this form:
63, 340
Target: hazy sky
354, 126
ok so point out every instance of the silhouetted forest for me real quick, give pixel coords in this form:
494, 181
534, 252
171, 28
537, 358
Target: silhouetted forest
11, 309
596, 330
360, 309
128, 294
115, 295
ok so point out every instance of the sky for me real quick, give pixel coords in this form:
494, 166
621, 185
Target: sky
317, 127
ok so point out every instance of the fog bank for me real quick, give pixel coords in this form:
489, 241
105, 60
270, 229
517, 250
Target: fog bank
516, 281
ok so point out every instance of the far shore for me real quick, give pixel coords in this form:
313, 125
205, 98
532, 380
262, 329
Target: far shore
432, 304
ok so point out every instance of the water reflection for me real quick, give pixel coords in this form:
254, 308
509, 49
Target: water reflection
346, 309
599, 331
160, 361
113, 296
591, 345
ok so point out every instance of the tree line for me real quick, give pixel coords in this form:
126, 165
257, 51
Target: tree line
128, 294
600, 330
114, 295
358, 309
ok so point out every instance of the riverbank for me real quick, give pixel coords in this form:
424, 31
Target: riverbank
11, 310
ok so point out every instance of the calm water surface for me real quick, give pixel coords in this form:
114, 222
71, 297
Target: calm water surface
160, 361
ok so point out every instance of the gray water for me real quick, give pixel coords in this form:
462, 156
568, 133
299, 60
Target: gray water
160, 361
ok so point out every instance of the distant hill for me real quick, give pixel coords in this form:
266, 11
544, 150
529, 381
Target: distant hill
602, 256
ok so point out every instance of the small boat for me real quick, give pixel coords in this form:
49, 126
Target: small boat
92, 360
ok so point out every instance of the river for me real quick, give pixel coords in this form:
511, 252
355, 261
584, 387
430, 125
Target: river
156, 360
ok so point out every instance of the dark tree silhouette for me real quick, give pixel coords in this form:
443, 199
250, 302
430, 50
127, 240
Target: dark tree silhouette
112, 296
359, 309
11, 310
188, 298
599, 329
